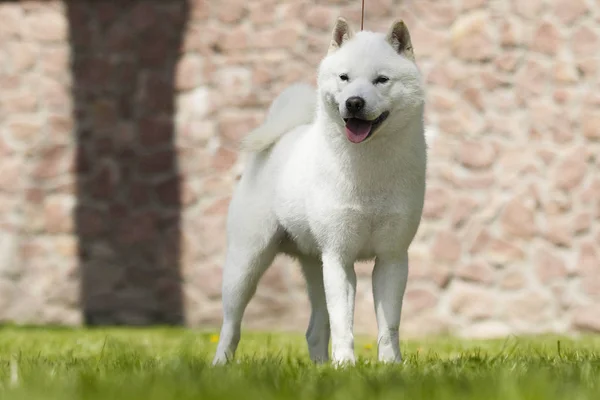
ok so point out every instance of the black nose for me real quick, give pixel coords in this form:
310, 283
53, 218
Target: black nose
354, 104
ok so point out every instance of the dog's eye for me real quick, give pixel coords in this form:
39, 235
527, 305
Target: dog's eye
381, 80
344, 77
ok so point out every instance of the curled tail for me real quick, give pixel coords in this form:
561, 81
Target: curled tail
295, 106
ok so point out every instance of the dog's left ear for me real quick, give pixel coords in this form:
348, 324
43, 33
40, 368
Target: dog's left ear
399, 38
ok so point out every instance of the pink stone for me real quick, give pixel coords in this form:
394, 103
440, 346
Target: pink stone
259, 17
224, 159
218, 207
12, 174
277, 37
320, 17
463, 210
418, 300
474, 96
591, 125
513, 280
510, 33
561, 96
570, 171
565, 71
434, 13
426, 41
591, 191
46, 26
588, 266
53, 161
518, 217
22, 56
477, 271
528, 307
274, 280
232, 12
189, 73
448, 74
436, 202
233, 127
587, 319
531, 79
447, 247
472, 301
508, 61
557, 202
468, 5
546, 38
425, 269
557, 232
471, 37
477, 155
582, 223
549, 266
442, 100
25, 133
235, 39
58, 212
501, 251
585, 41
364, 269
528, 9
568, 11
12, 20
588, 67
199, 9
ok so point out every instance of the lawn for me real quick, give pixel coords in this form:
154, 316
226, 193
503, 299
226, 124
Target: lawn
175, 364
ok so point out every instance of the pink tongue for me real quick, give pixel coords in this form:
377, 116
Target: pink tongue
357, 130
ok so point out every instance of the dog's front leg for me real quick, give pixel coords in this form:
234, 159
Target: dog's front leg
340, 290
389, 283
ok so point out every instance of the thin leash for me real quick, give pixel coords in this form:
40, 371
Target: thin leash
362, 15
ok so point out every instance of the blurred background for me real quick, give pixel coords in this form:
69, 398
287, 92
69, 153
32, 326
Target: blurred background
119, 124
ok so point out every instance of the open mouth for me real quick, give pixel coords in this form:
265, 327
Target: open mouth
358, 130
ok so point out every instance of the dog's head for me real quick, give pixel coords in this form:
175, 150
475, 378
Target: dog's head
369, 82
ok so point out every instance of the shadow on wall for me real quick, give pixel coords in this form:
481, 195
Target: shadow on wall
124, 56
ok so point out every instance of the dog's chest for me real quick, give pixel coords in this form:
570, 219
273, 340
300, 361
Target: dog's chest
360, 228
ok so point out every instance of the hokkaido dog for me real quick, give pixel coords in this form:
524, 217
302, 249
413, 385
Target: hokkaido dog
334, 176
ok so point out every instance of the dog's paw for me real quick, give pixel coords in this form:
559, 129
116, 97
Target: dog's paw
344, 360
219, 360
390, 360
343, 364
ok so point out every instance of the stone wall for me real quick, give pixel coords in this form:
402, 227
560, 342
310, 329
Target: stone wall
118, 133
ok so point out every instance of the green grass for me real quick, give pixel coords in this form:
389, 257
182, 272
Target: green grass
175, 364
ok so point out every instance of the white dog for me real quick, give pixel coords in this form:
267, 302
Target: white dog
335, 176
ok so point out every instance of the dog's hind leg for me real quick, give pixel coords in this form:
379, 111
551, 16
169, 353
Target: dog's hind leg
317, 334
244, 266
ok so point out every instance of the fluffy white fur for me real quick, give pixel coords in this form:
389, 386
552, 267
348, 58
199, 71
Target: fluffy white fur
295, 106
309, 192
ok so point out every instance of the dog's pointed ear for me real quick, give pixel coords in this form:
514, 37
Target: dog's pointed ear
399, 38
341, 33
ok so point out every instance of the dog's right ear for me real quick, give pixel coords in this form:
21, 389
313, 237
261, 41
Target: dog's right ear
341, 33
